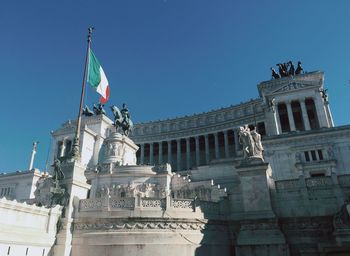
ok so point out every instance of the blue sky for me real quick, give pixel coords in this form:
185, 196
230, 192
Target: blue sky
164, 58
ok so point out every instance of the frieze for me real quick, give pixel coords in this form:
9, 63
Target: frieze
151, 225
139, 226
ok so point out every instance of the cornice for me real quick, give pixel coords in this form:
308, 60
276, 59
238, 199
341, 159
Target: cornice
198, 131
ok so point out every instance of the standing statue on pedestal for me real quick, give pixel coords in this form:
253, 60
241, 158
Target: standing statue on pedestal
251, 141
122, 119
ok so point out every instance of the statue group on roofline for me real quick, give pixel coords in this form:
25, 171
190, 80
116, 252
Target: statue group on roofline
121, 117
287, 69
97, 110
251, 142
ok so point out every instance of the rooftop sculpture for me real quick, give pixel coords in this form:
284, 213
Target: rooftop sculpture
286, 69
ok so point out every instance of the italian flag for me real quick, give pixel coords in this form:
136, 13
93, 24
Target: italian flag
97, 78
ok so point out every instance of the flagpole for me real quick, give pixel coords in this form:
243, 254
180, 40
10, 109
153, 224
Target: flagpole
75, 153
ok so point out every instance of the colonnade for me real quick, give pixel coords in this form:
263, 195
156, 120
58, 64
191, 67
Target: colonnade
301, 114
185, 153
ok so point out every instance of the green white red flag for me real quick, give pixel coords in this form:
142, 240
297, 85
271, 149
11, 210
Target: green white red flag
97, 78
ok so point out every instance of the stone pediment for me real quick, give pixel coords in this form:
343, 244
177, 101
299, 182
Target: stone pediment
276, 86
290, 87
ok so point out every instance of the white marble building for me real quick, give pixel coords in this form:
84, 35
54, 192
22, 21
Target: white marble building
293, 204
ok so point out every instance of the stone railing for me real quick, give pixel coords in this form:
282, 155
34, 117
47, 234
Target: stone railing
318, 182
91, 204
344, 180
153, 203
148, 204
122, 203
182, 204
287, 184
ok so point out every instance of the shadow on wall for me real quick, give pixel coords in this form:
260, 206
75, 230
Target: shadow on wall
217, 236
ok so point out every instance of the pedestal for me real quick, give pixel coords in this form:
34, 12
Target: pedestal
75, 183
259, 233
120, 150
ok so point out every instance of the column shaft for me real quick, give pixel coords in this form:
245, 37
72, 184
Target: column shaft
227, 153
160, 152
188, 152
305, 116
207, 156
169, 152
216, 142
290, 116
151, 153
142, 158
197, 151
178, 147
235, 134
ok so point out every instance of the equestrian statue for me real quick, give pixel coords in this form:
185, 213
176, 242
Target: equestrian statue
122, 119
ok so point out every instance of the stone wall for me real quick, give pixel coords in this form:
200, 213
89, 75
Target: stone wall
27, 229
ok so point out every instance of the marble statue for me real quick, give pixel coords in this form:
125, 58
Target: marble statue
122, 119
251, 141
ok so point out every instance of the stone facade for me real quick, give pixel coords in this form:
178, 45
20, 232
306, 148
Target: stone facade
27, 229
182, 187
19, 185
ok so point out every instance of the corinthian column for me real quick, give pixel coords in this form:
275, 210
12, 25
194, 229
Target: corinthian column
160, 152
188, 159
227, 153
151, 153
169, 152
178, 147
207, 156
216, 142
290, 116
142, 158
197, 150
305, 116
